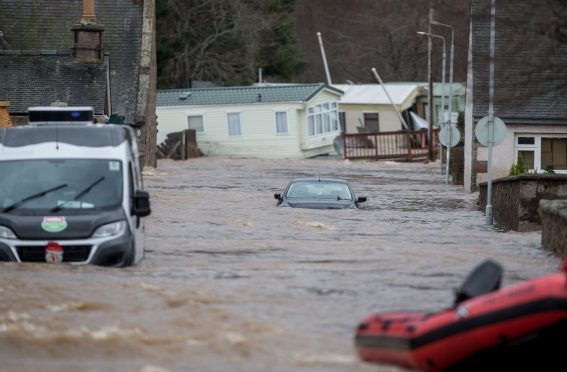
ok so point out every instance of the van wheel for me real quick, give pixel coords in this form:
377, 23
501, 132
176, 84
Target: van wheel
128, 259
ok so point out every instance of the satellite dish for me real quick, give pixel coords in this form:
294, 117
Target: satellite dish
481, 131
449, 136
338, 146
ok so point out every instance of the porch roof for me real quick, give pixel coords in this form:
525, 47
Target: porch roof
373, 94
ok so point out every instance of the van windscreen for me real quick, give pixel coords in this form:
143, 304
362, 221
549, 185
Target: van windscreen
60, 184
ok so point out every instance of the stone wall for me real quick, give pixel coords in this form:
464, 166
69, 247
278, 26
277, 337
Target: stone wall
554, 226
515, 200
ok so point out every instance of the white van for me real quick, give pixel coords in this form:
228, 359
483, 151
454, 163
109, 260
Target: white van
71, 191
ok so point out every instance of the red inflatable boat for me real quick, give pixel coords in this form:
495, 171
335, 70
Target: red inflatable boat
522, 327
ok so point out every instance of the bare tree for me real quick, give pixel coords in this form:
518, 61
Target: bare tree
222, 41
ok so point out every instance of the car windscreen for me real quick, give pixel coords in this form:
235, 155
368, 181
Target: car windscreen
319, 190
74, 185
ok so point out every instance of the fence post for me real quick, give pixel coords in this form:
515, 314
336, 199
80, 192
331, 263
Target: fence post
376, 146
184, 145
408, 139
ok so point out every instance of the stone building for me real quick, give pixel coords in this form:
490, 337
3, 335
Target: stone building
99, 54
530, 83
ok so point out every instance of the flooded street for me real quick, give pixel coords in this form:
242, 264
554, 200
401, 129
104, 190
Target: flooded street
232, 283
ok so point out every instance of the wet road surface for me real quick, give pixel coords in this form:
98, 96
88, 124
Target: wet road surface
232, 283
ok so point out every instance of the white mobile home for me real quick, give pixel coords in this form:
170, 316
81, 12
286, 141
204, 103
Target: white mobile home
366, 107
262, 121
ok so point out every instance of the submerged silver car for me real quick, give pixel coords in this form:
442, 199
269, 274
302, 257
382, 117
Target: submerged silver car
318, 193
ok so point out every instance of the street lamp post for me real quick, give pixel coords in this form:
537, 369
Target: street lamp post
450, 84
430, 35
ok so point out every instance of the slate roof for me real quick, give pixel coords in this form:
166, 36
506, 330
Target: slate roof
240, 95
38, 79
29, 25
530, 82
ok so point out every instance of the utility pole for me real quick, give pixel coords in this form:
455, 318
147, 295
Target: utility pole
403, 122
430, 86
324, 58
450, 88
488, 211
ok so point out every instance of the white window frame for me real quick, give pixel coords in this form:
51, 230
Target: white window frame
228, 115
282, 133
323, 119
191, 114
536, 148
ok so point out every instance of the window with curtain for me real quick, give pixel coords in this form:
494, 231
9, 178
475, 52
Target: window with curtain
234, 124
281, 122
554, 153
542, 152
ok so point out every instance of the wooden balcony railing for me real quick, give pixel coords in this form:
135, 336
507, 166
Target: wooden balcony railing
401, 145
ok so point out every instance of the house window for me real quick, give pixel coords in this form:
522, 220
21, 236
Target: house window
528, 157
195, 122
342, 121
554, 153
541, 152
372, 122
526, 140
322, 118
281, 122
234, 124
311, 121
334, 121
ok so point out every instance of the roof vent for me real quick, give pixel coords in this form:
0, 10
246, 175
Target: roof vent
183, 96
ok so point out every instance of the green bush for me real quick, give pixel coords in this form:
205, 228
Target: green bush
518, 168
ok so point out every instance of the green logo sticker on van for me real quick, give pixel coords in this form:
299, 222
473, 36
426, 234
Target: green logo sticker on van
54, 224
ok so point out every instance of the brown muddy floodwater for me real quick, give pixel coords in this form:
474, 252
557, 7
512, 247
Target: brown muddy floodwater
232, 283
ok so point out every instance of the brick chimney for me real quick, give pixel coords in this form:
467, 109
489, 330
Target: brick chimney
5, 121
88, 36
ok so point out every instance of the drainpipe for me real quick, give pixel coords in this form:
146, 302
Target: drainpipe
108, 87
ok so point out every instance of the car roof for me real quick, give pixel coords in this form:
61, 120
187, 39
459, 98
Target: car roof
317, 179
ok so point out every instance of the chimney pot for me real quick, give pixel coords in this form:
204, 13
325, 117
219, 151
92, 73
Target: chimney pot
89, 15
5, 121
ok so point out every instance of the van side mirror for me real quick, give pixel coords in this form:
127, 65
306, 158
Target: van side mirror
278, 196
141, 205
361, 199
